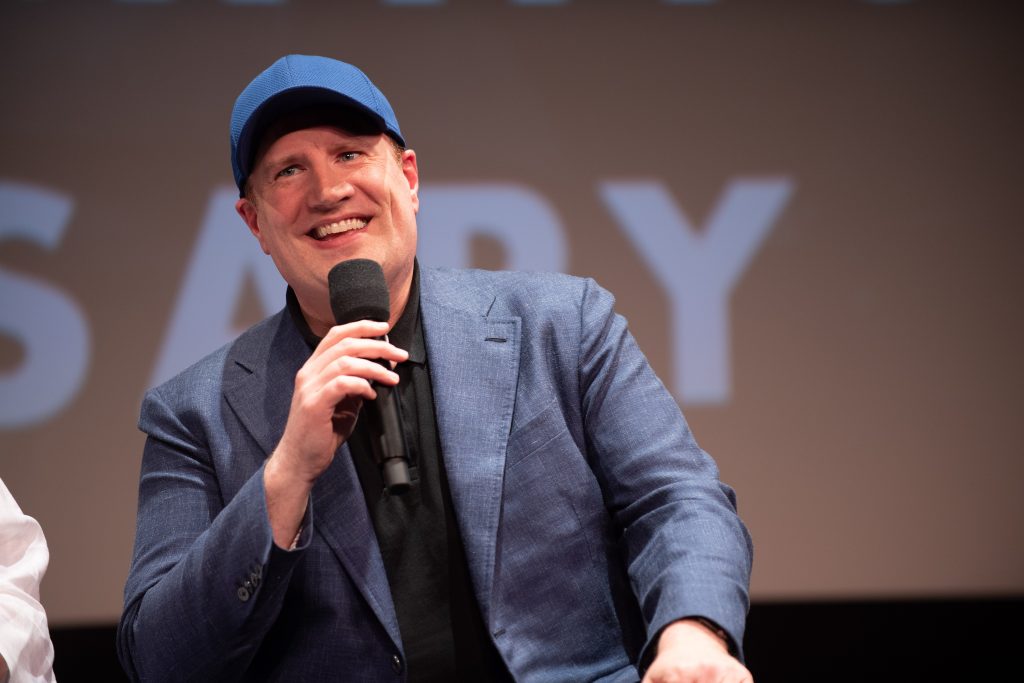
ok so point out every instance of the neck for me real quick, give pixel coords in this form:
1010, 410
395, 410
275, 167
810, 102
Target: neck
316, 325
399, 298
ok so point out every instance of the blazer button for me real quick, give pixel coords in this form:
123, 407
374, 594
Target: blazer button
396, 664
243, 593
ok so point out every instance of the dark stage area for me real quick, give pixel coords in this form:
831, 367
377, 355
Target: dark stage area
918, 640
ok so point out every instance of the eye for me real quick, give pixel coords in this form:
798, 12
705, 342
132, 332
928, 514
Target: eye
287, 171
348, 156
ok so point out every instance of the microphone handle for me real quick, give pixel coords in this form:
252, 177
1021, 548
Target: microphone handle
387, 436
389, 440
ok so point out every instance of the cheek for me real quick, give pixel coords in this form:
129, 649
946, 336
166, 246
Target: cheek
258, 230
273, 231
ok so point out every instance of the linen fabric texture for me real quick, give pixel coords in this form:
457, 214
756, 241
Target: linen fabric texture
590, 517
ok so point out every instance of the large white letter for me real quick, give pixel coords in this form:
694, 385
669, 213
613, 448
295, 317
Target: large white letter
698, 268
521, 219
49, 325
225, 252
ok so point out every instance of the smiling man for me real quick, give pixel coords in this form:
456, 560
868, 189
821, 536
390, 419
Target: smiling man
324, 188
561, 525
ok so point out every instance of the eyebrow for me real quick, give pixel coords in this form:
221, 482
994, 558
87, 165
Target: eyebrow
282, 161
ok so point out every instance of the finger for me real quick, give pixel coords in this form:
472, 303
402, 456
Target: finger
359, 328
340, 334
738, 674
347, 408
336, 401
362, 329
346, 413
344, 358
373, 349
351, 366
741, 674
354, 385
319, 393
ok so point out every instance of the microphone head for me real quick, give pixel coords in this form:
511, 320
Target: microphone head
358, 291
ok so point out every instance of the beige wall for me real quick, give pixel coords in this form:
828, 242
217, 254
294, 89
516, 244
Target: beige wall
870, 407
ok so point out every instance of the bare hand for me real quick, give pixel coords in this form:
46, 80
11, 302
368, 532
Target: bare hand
329, 391
689, 652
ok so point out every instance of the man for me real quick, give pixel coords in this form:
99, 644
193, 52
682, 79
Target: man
562, 524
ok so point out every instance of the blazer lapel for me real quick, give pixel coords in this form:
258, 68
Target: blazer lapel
259, 378
261, 398
474, 365
341, 517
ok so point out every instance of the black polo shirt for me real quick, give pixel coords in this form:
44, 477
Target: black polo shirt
443, 634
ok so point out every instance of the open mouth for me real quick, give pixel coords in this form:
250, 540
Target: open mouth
347, 225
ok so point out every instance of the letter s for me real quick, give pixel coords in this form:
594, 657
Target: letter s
48, 325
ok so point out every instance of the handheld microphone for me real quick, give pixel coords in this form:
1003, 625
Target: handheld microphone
359, 292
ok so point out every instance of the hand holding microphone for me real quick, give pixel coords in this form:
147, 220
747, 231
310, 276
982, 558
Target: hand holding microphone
359, 292
344, 376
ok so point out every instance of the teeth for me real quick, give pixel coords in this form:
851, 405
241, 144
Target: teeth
339, 227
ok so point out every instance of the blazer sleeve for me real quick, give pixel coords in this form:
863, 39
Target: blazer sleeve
687, 551
206, 581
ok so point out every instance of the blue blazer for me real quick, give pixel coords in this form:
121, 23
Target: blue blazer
589, 515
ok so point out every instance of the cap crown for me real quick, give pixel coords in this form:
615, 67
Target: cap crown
294, 82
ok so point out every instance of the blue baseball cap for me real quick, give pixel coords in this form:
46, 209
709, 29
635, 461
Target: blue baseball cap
297, 82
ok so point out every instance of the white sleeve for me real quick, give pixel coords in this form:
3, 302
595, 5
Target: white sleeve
24, 637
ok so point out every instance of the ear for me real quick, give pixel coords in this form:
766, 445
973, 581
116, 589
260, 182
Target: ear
412, 175
247, 210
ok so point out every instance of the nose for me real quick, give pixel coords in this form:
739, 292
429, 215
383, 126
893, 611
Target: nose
330, 186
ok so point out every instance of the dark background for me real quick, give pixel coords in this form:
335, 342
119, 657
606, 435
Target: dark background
935, 640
